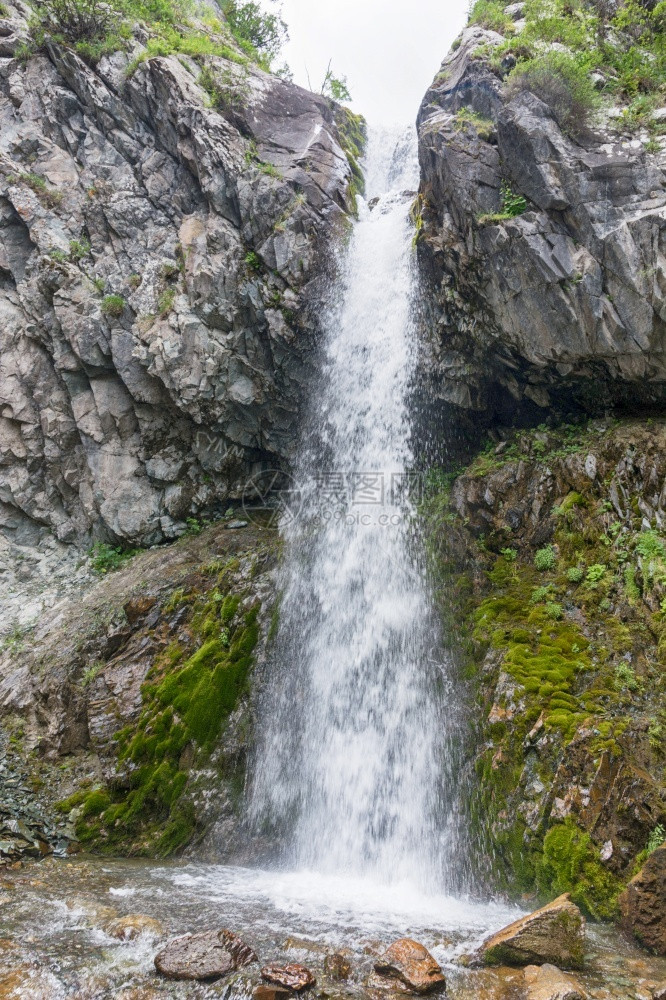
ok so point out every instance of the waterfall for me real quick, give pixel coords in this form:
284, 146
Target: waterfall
352, 748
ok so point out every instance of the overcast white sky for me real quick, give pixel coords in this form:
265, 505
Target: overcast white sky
389, 50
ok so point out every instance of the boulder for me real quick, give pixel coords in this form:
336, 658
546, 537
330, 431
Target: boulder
130, 927
408, 967
210, 955
291, 976
643, 903
547, 982
555, 933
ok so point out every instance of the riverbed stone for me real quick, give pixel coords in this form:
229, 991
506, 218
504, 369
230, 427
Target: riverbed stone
210, 955
337, 966
291, 976
409, 967
547, 982
132, 926
555, 933
643, 903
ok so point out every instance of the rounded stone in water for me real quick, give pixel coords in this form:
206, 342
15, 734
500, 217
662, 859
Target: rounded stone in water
210, 955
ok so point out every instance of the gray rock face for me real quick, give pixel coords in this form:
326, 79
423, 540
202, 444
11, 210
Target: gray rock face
121, 418
568, 295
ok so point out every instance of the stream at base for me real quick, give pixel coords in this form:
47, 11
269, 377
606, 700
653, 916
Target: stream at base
53, 944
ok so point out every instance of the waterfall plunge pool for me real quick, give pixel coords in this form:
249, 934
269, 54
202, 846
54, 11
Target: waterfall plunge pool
53, 944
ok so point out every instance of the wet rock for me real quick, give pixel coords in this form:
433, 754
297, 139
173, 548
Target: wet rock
659, 993
547, 982
269, 991
555, 933
27, 982
643, 903
337, 966
134, 924
409, 967
291, 976
210, 955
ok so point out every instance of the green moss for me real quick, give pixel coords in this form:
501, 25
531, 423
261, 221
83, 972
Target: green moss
562, 633
570, 863
186, 703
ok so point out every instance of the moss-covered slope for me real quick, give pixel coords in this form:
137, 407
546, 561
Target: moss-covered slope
552, 544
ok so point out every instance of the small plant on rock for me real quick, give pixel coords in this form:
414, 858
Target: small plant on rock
545, 559
113, 305
575, 574
104, 558
656, 839
512, 205
595, 574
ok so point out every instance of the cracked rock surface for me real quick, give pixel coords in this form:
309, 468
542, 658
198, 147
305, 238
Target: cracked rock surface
562, 305
159, 276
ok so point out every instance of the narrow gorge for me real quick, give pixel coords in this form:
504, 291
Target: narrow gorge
332, 511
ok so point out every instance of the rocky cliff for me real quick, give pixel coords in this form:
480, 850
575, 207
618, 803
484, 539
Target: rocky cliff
543, 244
162, 219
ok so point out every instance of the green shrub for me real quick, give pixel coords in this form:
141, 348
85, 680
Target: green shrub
490, 14
113, 305
545, 558
575, 574
77, 20
105, 558
258, 33
561, 82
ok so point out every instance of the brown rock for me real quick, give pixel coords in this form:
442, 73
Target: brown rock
337, 966
137, 607
643, 903
408, 965
547, 982
267, 991
210, 955
555, 933
291, 976
130, 927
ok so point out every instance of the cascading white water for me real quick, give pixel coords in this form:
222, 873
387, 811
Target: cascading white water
351, 742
